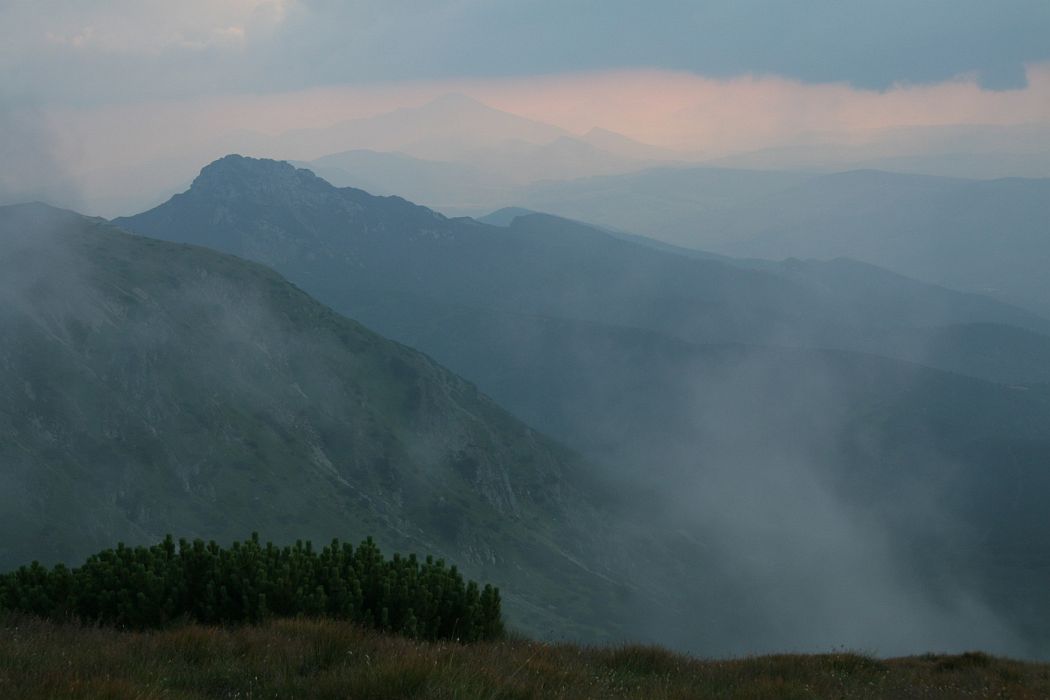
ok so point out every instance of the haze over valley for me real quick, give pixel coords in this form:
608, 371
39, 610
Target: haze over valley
711, 348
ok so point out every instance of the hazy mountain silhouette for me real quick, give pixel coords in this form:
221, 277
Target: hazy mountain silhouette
976, 236
460, 129
418, 179
979, 151
317, 234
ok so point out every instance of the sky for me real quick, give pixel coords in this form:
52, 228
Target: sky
88, 86
73, 51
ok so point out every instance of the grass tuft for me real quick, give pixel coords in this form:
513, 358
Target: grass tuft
310, 658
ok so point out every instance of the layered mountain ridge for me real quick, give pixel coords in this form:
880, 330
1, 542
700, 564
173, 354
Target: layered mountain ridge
548, 266
749, 396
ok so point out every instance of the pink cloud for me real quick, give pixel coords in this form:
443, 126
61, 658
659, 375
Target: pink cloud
676, 110
687, 111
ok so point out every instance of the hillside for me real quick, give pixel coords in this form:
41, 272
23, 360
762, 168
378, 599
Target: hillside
770, 450
156, 388
303, 658
801, 481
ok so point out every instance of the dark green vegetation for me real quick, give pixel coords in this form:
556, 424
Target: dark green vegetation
150, 388
325, 659
151, 587
800, 480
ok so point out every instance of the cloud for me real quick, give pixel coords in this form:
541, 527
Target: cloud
131, 28
691, 111
865, 44
32, 156
76, 52
66, 52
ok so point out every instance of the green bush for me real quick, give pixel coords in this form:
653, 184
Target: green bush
150, 587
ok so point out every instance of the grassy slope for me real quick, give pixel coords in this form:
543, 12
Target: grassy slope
153, 388
320, 659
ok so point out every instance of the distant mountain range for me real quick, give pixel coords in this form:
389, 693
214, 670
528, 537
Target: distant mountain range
317, 234
979, 151
977, 236
981, 236
454, 134
460, 131
433, 154
905, 223
707, 382
420, 180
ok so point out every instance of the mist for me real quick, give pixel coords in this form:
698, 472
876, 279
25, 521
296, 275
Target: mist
812, 522
713, 346
36, 162
809, 562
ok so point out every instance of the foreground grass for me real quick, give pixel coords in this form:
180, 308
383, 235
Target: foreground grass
322, 659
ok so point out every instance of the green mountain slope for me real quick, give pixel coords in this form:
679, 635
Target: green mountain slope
153, 388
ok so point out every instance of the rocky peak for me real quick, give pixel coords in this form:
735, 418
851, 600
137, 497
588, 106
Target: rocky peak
235, 177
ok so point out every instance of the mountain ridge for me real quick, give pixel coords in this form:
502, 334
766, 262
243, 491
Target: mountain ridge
734, 298
158, 387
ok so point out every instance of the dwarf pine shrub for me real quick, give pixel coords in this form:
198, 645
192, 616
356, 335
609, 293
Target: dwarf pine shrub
150, 587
